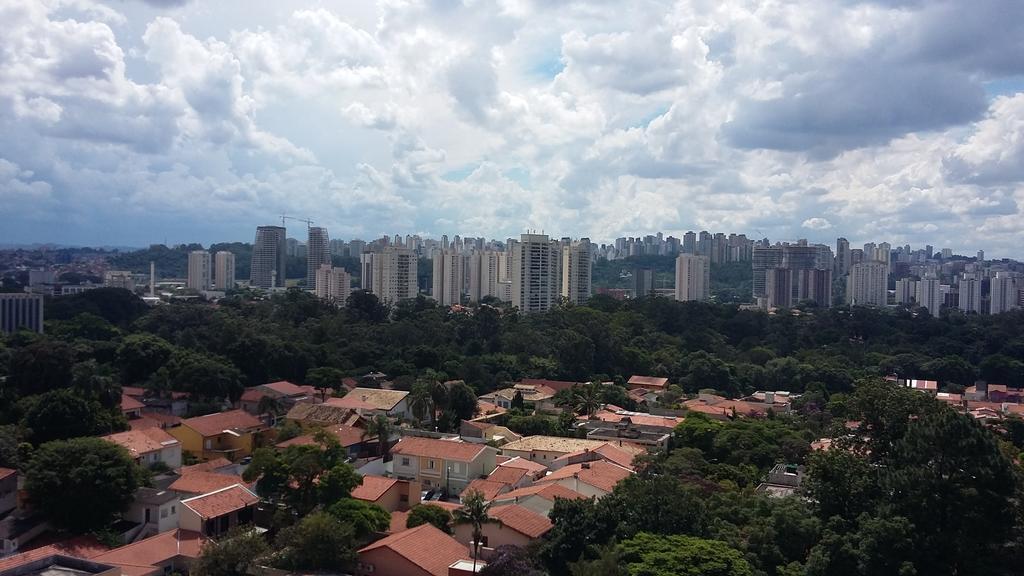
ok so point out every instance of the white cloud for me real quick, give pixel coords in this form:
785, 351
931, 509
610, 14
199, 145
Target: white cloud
817, 224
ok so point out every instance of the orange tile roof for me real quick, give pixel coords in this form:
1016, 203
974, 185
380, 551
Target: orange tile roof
142, 441
507, 474
373, 487
547, 491
156, 549
201, 482
208, 466
221, 502
484, 408
556, 385
637, 418
425, 546
441, 449
214, 424
128, 403
522, 520
133, 391
5, 472
154, 420
398, 521
600, 474
648, 381
286, 388
252, 395
534, 468
488, 488
347, 436
607, 452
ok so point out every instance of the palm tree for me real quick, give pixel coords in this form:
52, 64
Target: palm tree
421, 402
474, 512
381, 428
587, 399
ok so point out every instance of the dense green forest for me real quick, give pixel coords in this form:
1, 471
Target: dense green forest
918, 489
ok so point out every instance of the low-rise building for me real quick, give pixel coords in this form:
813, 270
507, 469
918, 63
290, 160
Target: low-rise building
589, 478
782, 480
390, 494
168, 552
352, 439
8, 490
535, 397
652, 383
194, 483
372, 401
539, 498
445, 464
215, 513
546, 449
228, 434
420, 551
310, 416
147, 446
516, 526
154, 510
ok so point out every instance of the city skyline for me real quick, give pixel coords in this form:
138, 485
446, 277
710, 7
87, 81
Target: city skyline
146, 122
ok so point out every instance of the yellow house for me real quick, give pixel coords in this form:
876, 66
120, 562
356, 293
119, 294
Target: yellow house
228, 434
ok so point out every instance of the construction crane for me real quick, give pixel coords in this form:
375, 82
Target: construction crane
309, 223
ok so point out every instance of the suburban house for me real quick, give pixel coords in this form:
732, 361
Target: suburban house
487, 432
349, 437
368, 402
154, 510
420, 551
533, 469
539, 498
518, 526
616, 454
487, 488
130, 407
721, 408
285, 392
782, 480
635, 427
230, 434
446, 464
390, 494
589, 478
165, 553
215, 513
651, 383
310, 416
546, 449
46, 561
147, 446
512, 477
198, 482
535, 397
8, 490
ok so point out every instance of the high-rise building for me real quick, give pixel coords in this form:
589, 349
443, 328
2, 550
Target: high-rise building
866, 284
884, 254
448, 277
224, 270
268, 258
981, 256
21, 311
778, 288
318, 253
575, 270
814, 286
906, 291
929, 294
1004, 294
643, 282
390, 273
535, 273
199, 270
764, 259
486, 274
690, 243
970, 295
693, 277
334, 284
842, 257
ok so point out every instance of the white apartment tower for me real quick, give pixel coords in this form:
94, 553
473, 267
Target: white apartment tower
970, 295
318, 253
488, 275
268, 258
576, 271
389, 273
866, 285
1004, 293
693, 277
448, 277
929, 294
534, 273
199, 270
224, 270
334, 284
906, 291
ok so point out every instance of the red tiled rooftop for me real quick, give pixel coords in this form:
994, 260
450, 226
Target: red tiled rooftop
155, 549
373, 487
128, 403
346, 435
142, 441
556, 385
534, 468
286, 388
507, 474
424, 546
547, 491
636, 418
5, 472
200, 482
133, 391
398, 521
441, 449
648, 381
600, 474
521, 520
488, 488
208, 466
253, 395
221, 502
214, 424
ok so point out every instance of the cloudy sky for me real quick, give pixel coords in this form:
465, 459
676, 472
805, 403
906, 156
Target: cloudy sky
129, 122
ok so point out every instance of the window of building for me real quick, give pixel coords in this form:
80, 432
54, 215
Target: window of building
209, 444
405, 461
430, 464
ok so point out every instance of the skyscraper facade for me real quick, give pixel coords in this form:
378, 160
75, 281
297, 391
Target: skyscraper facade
842, 257
199, 270
693, 277
334, 284
1004, 293
906, 291
813, 286
866, 284
21, 311
969, 299
485, 274
318, 253
535, 273
224, 270
390, 273
576, 271
448, 277
778, 288
268, 258
929, 294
